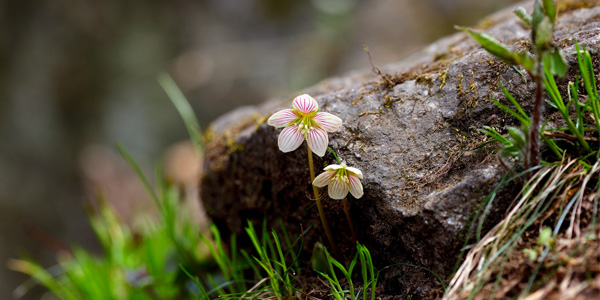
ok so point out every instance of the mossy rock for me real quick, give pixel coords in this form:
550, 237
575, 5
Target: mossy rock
412, 130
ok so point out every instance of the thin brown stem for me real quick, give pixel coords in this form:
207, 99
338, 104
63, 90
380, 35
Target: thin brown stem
320, 205
347, 211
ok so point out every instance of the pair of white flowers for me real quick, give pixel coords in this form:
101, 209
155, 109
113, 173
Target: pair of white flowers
304, 122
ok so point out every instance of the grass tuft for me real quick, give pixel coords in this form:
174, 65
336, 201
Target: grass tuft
544, 245
367, 272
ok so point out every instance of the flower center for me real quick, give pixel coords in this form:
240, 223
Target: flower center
305, 125
341, 176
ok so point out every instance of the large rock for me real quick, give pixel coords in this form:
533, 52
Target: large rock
411, 129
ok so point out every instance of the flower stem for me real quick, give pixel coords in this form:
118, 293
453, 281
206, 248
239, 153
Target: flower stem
320, 205
347, 211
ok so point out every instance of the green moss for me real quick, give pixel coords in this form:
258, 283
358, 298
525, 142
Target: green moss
425, 79
360, 97
565, 6
443, 75
459, 88
261, 120
388, 101
364, 112
233, 146
422, 74
209, 134
473, 87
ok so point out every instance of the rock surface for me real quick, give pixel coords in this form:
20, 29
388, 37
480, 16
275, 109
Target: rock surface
411, 129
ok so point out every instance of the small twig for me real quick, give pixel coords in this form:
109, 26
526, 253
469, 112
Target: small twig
257, 285
565, 136
389, 81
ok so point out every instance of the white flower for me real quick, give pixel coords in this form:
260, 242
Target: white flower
304, 122
340, 179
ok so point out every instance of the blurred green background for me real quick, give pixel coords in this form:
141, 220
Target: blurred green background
76, 77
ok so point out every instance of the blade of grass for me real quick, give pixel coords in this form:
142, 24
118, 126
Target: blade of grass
284, 269
197, 282
44, 277
290, 246
585, 66
185, 110
140, 174
495, 135
515, 104
510, 111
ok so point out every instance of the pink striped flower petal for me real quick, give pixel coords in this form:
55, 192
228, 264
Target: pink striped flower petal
290, 139
356, 172
337, 189
282, 118
356, 188
323, 179
305, 104
333, 167
328, 121
317, 141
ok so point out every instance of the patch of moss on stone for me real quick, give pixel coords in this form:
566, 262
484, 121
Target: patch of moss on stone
473, 87
208, 135
425, 79
422, 74
360, 97
459, 89
388, 101
233, 146
224, 142
261, 120
364, 112
565, 6
389, 81
443, 76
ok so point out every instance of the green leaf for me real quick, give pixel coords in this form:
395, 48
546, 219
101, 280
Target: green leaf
496, 48
523, 15
550, 9
543, 33
524, 59
493, 46
538, 15
532, 255
517, 135
556, 62
545, 237
318, 260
